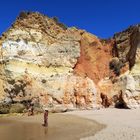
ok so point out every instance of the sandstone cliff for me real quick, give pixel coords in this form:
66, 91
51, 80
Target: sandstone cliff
39, 55
125, 64
49, 64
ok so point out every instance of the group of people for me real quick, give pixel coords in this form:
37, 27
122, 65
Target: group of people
46, 112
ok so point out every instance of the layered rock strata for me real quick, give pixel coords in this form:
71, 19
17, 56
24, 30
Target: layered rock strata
38, 57
46, 63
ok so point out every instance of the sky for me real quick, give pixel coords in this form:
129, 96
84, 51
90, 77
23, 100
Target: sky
100, 17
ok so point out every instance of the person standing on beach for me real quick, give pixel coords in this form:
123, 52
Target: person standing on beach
31, 110
46, 117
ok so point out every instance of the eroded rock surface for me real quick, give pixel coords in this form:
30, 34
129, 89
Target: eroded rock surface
95, 57
38, 57
127, 44
44, 62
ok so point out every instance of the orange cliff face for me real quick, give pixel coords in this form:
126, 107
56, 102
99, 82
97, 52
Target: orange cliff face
94, 58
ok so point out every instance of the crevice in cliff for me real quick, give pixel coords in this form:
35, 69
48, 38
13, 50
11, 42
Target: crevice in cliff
134, 40
119, 101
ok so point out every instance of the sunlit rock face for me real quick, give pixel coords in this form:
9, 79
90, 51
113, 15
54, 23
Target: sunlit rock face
39, 41
39, 55
36, 58
44, 62
67, 91
131, 90
94, 58
125, 92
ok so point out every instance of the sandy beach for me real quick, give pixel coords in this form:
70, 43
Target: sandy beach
61, 127
121, 124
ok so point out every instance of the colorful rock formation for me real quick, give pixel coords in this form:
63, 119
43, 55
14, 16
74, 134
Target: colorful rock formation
46, 63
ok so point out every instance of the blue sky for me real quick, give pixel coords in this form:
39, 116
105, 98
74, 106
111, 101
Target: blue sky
100, 17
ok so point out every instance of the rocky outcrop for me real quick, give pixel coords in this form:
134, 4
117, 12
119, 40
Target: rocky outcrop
38, 57
66, 91
126, 45
38, 40
128, 95
126, 50
46, 63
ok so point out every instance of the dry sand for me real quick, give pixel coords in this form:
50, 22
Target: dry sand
61, 127
121, 124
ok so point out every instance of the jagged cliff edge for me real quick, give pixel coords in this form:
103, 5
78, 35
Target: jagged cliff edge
48, 64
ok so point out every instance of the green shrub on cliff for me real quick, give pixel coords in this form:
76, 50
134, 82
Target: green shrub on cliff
116, 65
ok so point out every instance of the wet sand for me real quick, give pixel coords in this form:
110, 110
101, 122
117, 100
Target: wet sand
61, 127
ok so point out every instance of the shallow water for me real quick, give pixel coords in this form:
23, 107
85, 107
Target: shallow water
61, 127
